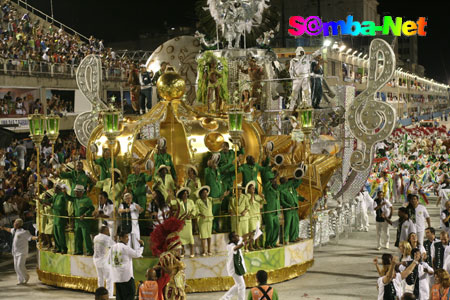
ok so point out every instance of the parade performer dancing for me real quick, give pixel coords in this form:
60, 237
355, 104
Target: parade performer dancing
167, 245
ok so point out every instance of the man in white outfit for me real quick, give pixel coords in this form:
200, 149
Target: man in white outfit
130, 211
106, 211
19, 250
419, 214
383, 211
121, 260
365, 202
102, 244
236, 266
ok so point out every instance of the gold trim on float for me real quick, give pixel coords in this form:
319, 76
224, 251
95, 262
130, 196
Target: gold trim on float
212, 284
87, 284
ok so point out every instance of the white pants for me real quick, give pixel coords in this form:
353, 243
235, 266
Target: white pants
104, 274
19, 267
304, 85
238, 288
420, 236
382, 228
362, 219
133, 241
22, 163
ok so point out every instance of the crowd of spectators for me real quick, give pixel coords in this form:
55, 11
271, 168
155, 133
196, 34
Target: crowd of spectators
18, 166
19, 106
58, 105
25, 40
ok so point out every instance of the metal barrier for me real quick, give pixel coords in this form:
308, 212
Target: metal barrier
15, 67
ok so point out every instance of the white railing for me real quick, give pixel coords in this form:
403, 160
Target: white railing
15, 67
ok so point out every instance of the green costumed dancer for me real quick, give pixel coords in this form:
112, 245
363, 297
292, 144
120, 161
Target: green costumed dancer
241, 214
105, 164
289, 200
255, 203
187, 211
164, 158
77, 177
271, 208
192, 181
205, 218
59, 209
250, 172
83, 208
227, 169
137, 183
164, 182
213, 179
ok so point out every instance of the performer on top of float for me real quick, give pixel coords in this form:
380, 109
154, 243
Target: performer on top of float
299, 70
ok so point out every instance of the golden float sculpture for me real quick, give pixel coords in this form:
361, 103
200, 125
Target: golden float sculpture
171, 85
192, 135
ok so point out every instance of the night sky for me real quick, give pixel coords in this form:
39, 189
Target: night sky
118, 21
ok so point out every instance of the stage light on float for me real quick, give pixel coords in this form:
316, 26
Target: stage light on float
348, 51
342, 48
327, 43
306, 117
110, 119
365, 56
235, 123
37, 127
52, 122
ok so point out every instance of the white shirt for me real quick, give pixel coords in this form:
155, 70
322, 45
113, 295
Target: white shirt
397, 285
424, 285
102, 244
20, 241
446, 251
424, 280
421, 215
366, 200
230, 260
447, 264
407, 227
108, 210
386, 209
121, 260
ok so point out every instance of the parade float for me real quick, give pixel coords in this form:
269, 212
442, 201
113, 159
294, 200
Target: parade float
336, 144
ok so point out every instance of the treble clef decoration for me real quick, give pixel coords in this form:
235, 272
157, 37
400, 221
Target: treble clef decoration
89, 77
369, 120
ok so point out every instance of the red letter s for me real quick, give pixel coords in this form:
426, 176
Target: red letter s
298, 23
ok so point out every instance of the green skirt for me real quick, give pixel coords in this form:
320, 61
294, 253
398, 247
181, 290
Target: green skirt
253, 222
186, 236
243, 225
205, 227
